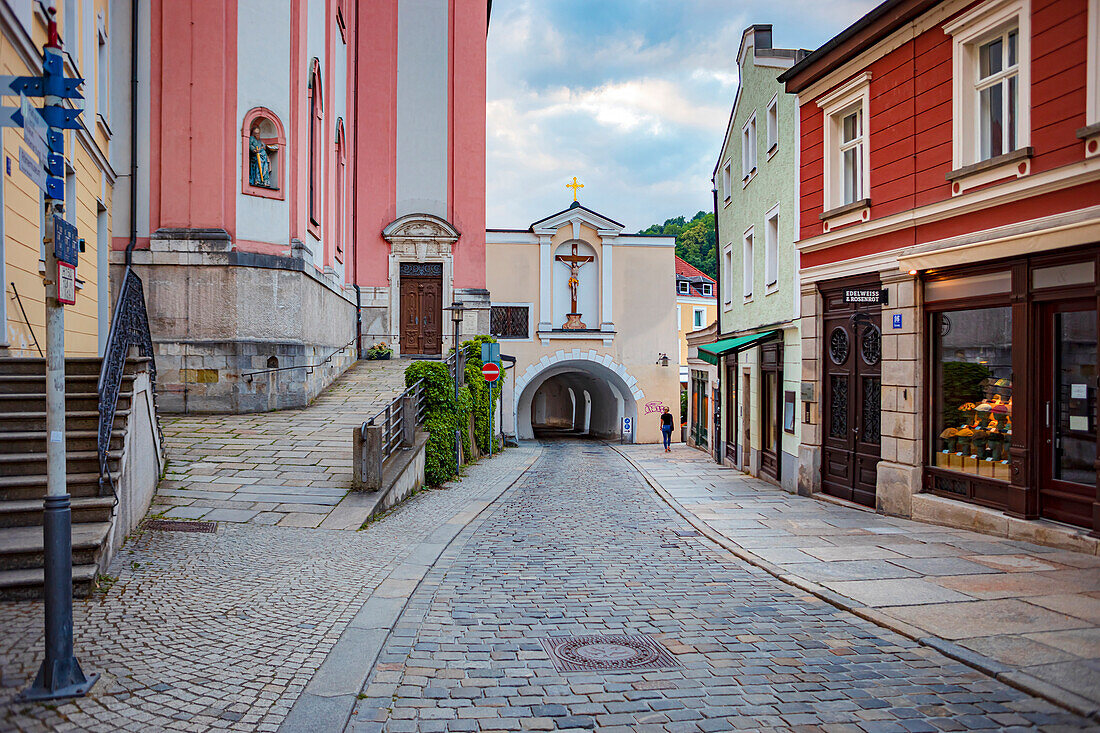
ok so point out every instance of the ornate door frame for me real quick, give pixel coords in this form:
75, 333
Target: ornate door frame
423, 239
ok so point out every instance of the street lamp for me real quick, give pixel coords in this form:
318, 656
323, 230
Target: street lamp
456, 310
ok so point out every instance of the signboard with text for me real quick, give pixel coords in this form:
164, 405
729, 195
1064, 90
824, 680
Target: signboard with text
866, 296
66, 283
65, 245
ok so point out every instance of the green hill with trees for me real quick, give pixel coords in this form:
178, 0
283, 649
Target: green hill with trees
695, 240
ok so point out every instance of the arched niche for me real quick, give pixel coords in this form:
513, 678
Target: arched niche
588, 284
263, 140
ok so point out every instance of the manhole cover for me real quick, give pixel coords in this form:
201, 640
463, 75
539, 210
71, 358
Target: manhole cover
607, 653
173, 525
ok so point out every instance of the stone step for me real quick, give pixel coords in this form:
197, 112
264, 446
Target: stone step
21, 547
28, 512
26, 584
36, 383
84, 461
82, 365
15, 488
74, 420
75, 402
34, 441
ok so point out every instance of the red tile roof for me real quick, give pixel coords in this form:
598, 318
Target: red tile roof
687, 270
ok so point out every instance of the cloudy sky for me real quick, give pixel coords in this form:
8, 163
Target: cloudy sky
630, 96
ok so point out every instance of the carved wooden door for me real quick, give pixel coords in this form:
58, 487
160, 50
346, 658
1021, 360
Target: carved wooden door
852, 386
421, 312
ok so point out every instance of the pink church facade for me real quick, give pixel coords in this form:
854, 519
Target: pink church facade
310, 181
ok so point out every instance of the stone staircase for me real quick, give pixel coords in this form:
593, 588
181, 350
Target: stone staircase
23, 470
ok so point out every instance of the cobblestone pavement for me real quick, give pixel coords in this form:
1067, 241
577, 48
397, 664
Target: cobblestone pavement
224, 631
580, 545
1029, 612
288, 467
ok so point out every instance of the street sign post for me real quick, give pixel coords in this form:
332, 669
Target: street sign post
627, 429
491, 371
59, 675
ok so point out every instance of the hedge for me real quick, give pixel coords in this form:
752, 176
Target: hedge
444, 414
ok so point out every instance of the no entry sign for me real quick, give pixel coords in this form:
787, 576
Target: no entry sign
491, 372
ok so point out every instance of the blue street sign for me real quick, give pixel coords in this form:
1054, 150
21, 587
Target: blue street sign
65, 247
32, 168
897, 320
490, 353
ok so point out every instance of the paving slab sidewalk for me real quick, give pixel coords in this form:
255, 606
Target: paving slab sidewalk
1027, 614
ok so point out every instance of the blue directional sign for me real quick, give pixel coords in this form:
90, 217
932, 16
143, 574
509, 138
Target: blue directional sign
32, 169
65, 247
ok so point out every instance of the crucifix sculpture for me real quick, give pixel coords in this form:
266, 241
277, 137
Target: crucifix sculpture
575, 186
574, 262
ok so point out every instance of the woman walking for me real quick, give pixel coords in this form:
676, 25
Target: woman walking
666, 429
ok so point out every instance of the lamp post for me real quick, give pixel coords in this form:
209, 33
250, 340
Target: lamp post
456, 320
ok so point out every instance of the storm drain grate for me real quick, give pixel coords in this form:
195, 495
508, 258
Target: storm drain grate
174, 525
623, 653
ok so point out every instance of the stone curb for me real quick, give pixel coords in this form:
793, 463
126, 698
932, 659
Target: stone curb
328, 701
1014, 678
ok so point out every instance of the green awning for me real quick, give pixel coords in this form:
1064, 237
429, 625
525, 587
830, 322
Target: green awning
710, 352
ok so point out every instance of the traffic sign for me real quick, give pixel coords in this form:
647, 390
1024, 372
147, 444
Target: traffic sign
491, 372
65, 247
33, 124
628, 425
66, 283
32, 168
490, 352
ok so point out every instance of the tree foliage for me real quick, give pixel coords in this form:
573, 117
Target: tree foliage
696, 241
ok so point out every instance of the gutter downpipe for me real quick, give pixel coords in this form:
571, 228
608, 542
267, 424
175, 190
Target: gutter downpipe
719, 442
133, 132
355, 207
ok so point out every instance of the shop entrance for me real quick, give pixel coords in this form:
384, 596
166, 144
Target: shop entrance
852, 395
1067, 411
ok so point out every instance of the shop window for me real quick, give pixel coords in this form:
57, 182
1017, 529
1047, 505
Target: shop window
972, 391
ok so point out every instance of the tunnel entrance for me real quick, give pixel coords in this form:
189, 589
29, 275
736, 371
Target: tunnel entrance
580, 398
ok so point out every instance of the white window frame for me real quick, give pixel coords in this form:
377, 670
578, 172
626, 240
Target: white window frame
727, 270
727, 181
855, 94
748, 150
683, 288
773, 125
999, 79
706, 289
748, 274
696, 321
771, 251
968, 32
103, 72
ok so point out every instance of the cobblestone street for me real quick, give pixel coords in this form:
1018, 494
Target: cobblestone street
224, 631
581, 546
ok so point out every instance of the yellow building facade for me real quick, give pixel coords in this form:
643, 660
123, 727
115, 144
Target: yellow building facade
89, 181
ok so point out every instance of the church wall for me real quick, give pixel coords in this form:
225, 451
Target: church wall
422, 103
466, 189
263, 80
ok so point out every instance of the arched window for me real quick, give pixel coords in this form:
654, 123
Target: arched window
341, 191
316, 145
262, 144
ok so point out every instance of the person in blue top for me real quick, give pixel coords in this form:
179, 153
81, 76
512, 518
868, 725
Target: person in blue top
666, 429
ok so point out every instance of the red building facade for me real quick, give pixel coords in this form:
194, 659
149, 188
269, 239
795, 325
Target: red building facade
949, 244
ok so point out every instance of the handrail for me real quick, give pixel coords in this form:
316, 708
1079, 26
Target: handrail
129, 328
25, 319
308, 367
393, 424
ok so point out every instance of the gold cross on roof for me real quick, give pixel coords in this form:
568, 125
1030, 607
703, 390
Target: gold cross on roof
574, 185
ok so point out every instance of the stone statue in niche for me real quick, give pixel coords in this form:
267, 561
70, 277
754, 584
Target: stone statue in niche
259, 161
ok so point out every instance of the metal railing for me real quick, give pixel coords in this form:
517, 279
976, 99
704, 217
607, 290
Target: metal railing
129, 328
394, 415
308, 367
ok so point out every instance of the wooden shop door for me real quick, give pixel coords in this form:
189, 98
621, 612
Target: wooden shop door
421, 314
852, 387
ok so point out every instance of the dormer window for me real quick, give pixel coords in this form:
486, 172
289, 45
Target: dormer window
683, 287
706, 288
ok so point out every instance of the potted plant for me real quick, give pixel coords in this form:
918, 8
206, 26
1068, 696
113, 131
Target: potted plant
380, 350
